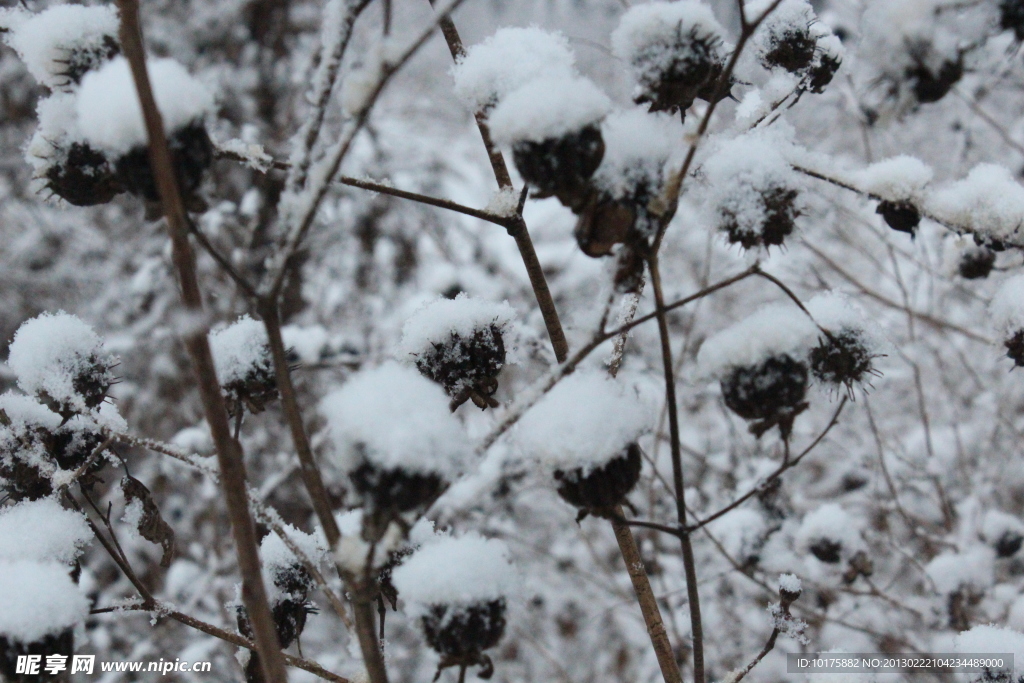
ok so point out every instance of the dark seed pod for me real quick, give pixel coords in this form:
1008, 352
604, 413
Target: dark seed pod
822, 71
84, 177
976, 264
562, 166
859, 565
780, 214
467, 367
289, 619
827, 550
901, 216
390, 493
693, 71
769, 393
462, 633
191, 151
82, 59
253, 392
1011, 17
62, 643
604, 488
792, 49
604, 223
1009, 543
21, 480
989, 242
842, 358
930, 86
1015, 348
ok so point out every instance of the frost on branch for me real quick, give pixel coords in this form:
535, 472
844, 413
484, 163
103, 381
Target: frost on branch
675, 51
41, 609
460, 344
245, 369
553, 124
584, 431
110, 119
397, 441
1007, 313
752, 191
761, 364
42, 531
459, 588
60, 359
508, 60
793, 39
61, 43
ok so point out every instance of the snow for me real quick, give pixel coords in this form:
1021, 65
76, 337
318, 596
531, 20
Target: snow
253, 155
504, 202
308, 343
790, 583
42, 531
458, 571
741, 532
774, 330
654, 26
278, 558
988, 201
57, 129
972, 568
109, 113
835, 311
830, 521
50, 351
995, 523
437, 320
26, 414
240, 349
741, 170
39, 600
637, 145
48, 38
991, 639
585, 421
352, 551
395, 418
1007, 307
508, 60
548, 107
901, 178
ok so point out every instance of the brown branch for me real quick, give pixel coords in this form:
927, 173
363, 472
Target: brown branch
229, 451
517, 228
221, 260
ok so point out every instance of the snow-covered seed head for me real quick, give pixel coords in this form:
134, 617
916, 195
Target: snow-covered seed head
822, 70
976, 263
1011, 17
1015, 348
860, 564
843, 358
459, 588
245, 368
604, 488
603, 223
770, 392
675, 52
929, 83
396, 440
62, 43
191, 151
82, 176
25, 465
790, 589
830, 534
42, 607
1008, 543
60, 359
791, 49
779, 214
900, 216
460, 344
792, 38
561, 166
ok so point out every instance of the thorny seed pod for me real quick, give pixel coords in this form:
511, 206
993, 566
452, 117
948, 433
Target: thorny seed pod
792, 38
27, 430
602, 489
1008, 543
822, 71
289, 620
1011, 17
191, 154
767, 394
464, 631
81, 59
561, 166
80, 175
900, 216
843, 358
778, 206
1015, 348
827, 550
977, 263
791, 48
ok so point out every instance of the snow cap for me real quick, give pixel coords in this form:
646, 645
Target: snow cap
774, 330
437, 320
42, 531
39, 600
548, 107
240, 348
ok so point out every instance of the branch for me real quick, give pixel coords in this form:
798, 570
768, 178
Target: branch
229, 451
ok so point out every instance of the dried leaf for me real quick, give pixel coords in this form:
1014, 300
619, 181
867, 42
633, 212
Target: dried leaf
152, 526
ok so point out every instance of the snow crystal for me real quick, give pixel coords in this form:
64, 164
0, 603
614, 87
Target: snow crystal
509, 59
39, 600
53, 350
952, 571
774, 330
436, 321
547, 108
109, 112
396, 418
239, 349
655, 25
1007, 307
992, 639
897, 179
829, 522
586, 420
790, 583
42, 531
988, 201
637, 145
457, 571
55, 40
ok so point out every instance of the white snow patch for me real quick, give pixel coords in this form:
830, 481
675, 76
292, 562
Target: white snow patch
279, 559
353, 552
900, 178
308, 343
637, 146
992, 639
239, 349
972, 568
988, 201
1007, 307
39, 600
547, 108
42, 531
109, 112
830, 522
436, 321
790, 583
26, 414
774, 330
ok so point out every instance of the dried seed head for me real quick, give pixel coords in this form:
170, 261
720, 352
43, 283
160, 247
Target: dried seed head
245, 366
1015, 348
391, 493
467, 366
81, 59
62, 644
977, 263
901, 216
602, 489
81, 176
769, 390
1009, 543
843, 358
823, 69
676, 72
827, 550
859, 565
561, 166
779, 211
464, 632
931, 85
191, 152
1011, 17
792, 49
